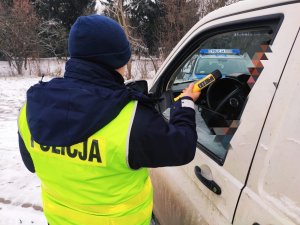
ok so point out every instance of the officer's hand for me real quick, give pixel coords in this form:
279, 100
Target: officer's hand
189, 92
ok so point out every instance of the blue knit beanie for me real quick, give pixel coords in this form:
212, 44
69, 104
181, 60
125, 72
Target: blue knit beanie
99, 39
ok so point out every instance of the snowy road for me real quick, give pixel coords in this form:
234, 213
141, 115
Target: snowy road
20, 201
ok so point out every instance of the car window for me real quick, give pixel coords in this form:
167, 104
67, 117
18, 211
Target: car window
237, 55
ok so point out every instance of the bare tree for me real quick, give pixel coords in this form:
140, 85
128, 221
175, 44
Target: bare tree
52, 38
18, 37
23, 34
118, 11
207, 6
180, 16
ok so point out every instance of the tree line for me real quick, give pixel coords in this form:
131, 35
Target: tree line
39, 28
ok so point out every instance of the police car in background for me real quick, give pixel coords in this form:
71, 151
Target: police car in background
228, 61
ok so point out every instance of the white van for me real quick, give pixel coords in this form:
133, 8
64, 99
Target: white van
247, 164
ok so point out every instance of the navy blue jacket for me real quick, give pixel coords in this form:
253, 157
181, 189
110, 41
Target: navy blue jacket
66, 111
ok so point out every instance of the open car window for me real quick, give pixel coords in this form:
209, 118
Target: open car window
237, 55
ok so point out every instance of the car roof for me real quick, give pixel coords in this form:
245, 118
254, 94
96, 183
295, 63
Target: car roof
243, 6
237, 8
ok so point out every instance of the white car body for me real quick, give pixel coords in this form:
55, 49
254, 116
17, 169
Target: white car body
259, 178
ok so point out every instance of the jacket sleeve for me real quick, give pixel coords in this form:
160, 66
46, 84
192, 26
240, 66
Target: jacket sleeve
25, 155
154, 142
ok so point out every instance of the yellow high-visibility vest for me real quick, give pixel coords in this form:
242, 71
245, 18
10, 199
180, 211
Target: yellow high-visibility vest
91, 183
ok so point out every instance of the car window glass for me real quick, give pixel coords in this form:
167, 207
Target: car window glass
237, 55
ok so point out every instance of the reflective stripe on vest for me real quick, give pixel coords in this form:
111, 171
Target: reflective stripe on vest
90, 182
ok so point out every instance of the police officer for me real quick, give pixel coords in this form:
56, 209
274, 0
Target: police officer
90, 139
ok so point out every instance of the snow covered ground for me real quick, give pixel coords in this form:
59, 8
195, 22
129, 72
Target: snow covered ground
46, 66
20, 201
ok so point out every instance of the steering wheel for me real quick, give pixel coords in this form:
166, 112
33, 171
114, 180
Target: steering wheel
226, 97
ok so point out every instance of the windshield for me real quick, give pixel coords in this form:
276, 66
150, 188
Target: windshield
225, 65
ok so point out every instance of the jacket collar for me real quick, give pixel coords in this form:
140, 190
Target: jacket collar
102, 76
93, 73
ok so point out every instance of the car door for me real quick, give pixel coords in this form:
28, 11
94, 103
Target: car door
230, 114
272, 189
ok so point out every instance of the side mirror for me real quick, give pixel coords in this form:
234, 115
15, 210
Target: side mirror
138, 85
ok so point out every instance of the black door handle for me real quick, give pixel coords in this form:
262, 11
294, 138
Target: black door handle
210, 184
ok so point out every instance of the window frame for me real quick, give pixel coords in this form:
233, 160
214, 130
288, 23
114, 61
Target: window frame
273, 21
